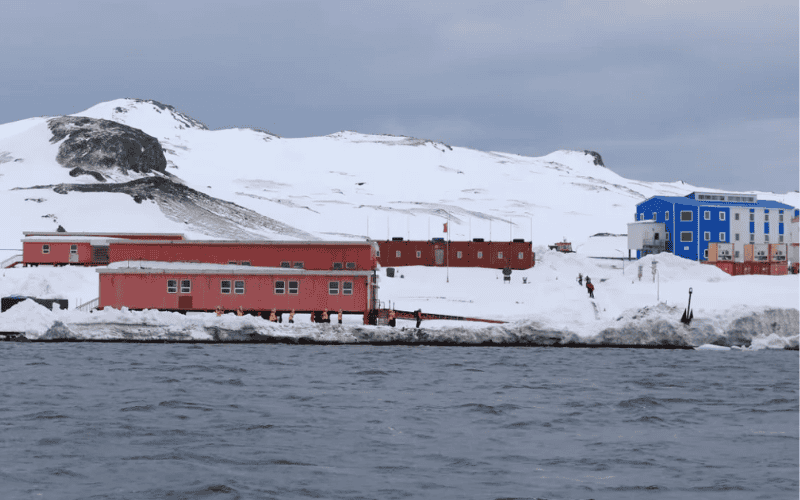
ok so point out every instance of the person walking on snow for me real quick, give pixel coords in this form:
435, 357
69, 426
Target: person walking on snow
590, 288
580, 279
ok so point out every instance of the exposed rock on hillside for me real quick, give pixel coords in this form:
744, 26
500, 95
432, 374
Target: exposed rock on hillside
95, 147
200, 212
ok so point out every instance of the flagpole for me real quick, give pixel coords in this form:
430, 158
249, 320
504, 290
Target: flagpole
448, 247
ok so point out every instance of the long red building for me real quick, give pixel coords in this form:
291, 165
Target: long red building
516, 254
87, 249
311, 255
187, 287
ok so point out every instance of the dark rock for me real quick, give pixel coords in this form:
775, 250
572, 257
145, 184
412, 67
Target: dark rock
75, 172
185, 120
95, 145
61, 229
598, 160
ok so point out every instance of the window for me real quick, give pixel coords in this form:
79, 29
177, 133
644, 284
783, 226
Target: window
721, 236
294, 287
667, 235
480, 255
655, 236
706, 236
233, 262
752, 238
737, 237
766, 238
225, 286
172, 286
686, 215
686, 236
419, 254
350, 265
458, 255
766, 216
238, 287
298, 265
706, 215
722, 216
655, 216
641, 216
752, 216
666, 215
347, 288
780, 238
397, 254
736, 216
285, 263
280, 287
73, 249
186, 286
705, 253
337, 265
520, 255
780, 216
736, 254
333, 288
245, 263
45, 248
499, 255
377, 253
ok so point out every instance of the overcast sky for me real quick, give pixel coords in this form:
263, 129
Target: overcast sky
664, 90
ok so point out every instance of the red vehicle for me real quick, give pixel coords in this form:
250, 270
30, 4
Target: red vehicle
187, 287
515, 254
87, 249
311, 255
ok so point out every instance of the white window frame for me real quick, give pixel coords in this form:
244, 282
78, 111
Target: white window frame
683, 238
223, 288
347, 288
294, 287
45, 249
780, 238
655, 216
722, 216
666, 215
419, 254
736, 254
73, 249
521, 255
705, 253
691, 215
333, 288
480, 255
721, 236
350, 265
706, 235
186, 286
238, 287
397, 254
298, 265
499, 255
766, 217
279, 288
286, 264
706, 214
458, 255
736, 237
752, 238
736, 216
766, 238
172, 286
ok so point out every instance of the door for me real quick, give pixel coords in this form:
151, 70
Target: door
439, 256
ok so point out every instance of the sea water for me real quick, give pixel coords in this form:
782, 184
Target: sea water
172, 421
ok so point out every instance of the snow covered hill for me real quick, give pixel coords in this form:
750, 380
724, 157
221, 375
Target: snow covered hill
244, 183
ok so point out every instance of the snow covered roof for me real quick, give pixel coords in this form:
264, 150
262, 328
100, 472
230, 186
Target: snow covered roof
111, 235
245, 242
701, 203
95, 241
155, 267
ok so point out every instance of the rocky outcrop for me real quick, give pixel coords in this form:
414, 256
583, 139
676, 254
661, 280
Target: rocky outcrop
99, 147
598, 160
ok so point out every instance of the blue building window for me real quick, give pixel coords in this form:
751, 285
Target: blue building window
686, 236
666, 215
686, 215
707, 215
721, 236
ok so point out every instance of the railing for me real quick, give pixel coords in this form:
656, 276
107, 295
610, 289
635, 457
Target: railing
13, 260
88, 306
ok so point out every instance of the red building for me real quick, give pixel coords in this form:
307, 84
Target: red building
736, 260
203, 287
515, 254
60, 249
311, 255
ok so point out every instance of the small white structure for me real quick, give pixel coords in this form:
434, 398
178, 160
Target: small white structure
647, 236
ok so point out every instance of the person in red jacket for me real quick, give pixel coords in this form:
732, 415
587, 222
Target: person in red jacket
590, 288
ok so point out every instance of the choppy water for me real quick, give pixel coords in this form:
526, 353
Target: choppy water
117, 421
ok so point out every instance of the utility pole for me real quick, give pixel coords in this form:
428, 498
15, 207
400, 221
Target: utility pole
448, 247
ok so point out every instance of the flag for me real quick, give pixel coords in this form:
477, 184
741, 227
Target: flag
445, 227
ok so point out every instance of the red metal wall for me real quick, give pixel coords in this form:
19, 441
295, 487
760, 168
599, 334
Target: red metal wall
149, 291
59, 252
314, 256
470, 250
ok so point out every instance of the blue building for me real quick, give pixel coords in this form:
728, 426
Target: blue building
686, 226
